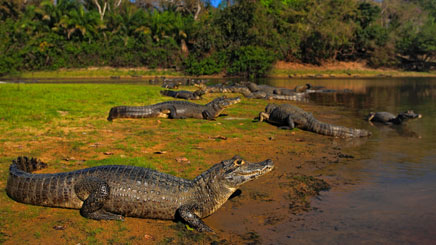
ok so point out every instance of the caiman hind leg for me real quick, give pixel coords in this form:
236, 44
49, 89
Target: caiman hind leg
186, 212
173, 113
164, 113
94, 193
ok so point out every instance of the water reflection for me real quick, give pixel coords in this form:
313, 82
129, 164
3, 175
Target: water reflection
395, 204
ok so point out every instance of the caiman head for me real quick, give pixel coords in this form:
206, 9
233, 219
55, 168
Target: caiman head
237, 171
410, 114
223, 102
199, 92
224, 178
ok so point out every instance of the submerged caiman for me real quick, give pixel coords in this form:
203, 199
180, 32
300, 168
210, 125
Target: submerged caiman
389, 118
114, 191
292, 116
174, 109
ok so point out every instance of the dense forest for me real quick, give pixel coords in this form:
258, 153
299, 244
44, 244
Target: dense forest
241, 37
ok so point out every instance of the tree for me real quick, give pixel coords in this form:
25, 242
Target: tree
418, 46
332, 27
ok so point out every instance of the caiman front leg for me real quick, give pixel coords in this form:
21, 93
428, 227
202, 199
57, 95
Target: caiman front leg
186, 212
207, 115
289, 123
263, 116
94, 192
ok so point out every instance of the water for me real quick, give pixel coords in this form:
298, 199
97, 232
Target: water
395, 203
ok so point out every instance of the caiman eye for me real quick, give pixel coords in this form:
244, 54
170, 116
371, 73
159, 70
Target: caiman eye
238, 162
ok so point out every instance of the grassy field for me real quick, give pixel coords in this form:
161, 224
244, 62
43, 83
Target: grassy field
279, 70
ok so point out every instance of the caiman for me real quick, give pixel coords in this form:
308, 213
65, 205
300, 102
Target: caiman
389, 118
174, 109
291, 116
183, 94
115, 191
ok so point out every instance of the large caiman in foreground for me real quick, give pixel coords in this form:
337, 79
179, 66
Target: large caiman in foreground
113, 191
174, 109
292, 116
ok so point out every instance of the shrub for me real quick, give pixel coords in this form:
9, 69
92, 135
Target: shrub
206, 66
250, 61
8, 64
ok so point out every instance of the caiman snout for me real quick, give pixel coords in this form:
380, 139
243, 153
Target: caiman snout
257, 169
232, 101
268, 165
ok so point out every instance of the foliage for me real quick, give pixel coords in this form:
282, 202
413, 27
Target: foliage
251, 61
41, 35
205, 66
419, 46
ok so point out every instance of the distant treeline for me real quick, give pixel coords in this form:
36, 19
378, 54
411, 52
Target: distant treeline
242, 37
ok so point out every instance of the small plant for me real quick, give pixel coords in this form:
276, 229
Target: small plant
37, 235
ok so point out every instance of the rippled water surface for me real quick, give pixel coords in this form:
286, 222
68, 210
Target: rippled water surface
395, 203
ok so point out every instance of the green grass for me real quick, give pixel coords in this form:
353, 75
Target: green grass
37, 104
100, 72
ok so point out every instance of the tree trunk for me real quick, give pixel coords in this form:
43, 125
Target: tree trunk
184, 47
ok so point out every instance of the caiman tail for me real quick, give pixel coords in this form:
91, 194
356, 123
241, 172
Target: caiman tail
336, 131
131, 112
54, 190
302, 97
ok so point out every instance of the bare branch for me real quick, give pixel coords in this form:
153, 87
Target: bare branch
198, 10
100, 11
